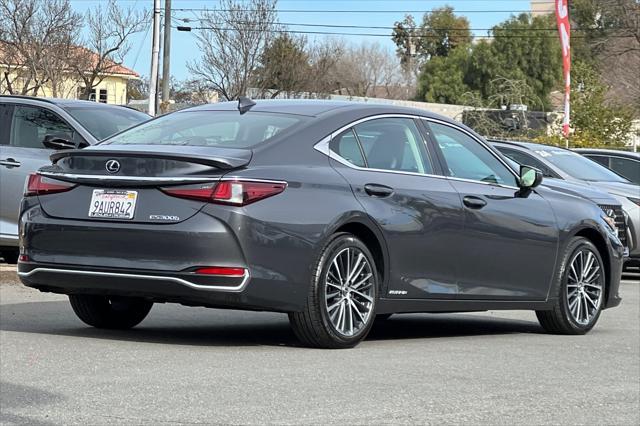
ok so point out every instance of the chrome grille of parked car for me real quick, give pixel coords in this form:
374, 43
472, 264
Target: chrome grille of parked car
621, 223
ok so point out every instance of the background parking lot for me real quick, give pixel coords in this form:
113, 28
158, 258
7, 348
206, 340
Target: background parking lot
194, 365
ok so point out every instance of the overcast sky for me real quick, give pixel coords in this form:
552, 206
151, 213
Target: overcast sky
184, 49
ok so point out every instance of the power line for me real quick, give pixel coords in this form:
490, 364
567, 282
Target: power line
200, 9
367, 27
283, 31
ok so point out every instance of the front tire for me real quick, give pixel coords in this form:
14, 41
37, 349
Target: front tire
581, 291
113, 312
341, 303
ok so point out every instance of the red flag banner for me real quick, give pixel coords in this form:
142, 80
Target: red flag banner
564, 28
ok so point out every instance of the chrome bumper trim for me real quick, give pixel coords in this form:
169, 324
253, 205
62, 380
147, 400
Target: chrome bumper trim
181, 281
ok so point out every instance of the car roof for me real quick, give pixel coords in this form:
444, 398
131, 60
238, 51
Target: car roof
315, 107
629, 154
59, 102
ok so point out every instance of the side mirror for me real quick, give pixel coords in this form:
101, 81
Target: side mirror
57, 142
530, 177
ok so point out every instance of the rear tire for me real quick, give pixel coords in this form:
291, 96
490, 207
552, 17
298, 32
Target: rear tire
10, 256
113, 312
581, 289
343, 292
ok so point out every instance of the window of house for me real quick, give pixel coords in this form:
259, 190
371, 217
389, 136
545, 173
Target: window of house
103, 96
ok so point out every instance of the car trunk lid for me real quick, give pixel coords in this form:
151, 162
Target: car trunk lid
130, 190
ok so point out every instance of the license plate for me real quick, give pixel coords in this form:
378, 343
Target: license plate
113, 204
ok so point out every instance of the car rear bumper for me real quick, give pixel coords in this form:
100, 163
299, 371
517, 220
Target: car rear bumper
157, 262
186, 288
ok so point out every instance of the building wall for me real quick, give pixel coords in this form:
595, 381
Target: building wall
115, 85
541, 7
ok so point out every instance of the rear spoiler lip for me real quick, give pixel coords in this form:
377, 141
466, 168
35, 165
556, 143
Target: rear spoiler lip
127, 180
226, 162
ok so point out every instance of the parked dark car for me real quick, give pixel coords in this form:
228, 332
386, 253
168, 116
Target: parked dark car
331, 212
562, 164
624, 163
31, 129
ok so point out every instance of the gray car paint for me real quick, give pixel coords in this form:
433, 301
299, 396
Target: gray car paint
619, 191
426, 242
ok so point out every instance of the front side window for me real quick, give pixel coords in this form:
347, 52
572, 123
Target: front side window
466, 158
393, 144
626, 167
30, 125
526, 160
224, 129
103, 122
599, 159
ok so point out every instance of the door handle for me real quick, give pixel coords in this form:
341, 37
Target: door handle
9, 162
474, 202
376, 190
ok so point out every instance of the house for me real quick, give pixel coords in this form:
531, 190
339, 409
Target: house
112, 88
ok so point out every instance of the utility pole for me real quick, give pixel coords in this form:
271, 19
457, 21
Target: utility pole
155, 53
166, 53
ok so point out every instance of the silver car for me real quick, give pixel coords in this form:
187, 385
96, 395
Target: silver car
560, 163
31, 129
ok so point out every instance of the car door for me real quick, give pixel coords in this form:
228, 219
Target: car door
391, 172
509, 244
22, 153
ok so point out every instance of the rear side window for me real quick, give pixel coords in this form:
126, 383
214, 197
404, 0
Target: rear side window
346, 146
393, 144
228, 129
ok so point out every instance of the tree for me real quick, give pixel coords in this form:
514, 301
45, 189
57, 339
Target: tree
442, 79
525, 49
35, 39
441, 31
284, 66
594, 120
232, 39
610, 42
368, 69
106, 44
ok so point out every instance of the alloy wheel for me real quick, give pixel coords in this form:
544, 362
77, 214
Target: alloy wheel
349, 291
584, 286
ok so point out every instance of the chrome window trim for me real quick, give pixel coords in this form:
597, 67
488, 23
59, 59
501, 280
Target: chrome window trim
323, 147
181, 281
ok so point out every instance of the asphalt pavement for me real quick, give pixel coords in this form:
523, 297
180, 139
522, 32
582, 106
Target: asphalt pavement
204, 366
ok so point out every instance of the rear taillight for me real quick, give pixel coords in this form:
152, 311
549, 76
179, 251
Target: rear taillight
40, 185
232, 192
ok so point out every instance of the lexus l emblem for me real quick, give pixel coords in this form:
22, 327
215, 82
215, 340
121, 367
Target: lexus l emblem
112, 166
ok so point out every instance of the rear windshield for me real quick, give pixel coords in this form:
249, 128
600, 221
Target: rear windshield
103, 122
208, 128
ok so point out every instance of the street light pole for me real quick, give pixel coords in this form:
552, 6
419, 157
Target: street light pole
166, 53
155, 53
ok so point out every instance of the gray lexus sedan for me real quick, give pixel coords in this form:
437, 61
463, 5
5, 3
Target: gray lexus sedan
332, 212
